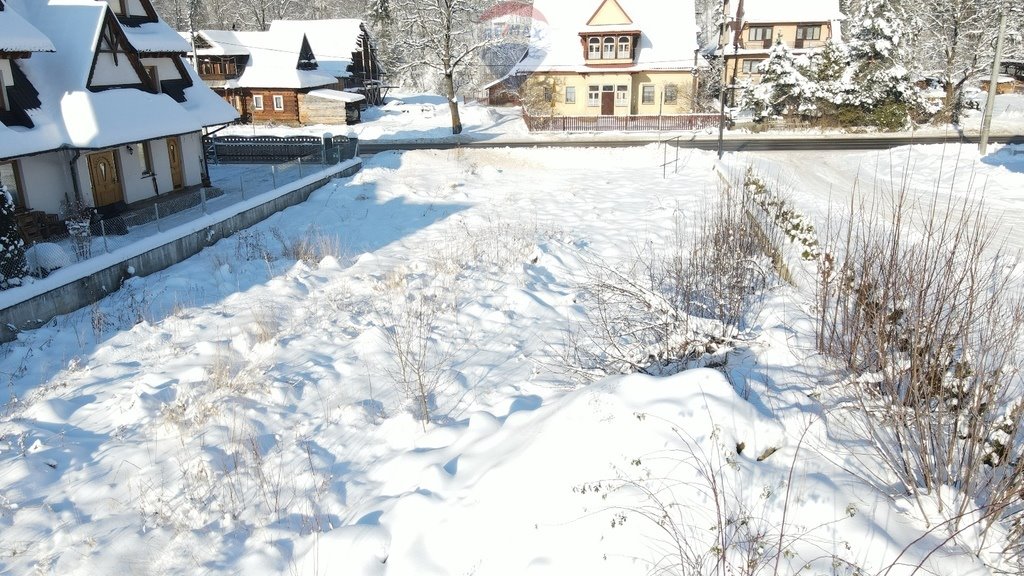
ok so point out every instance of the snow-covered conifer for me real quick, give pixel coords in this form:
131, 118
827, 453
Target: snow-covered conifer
12, 248
784, 89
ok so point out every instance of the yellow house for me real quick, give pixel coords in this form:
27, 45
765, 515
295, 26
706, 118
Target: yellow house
752, 26
609, 58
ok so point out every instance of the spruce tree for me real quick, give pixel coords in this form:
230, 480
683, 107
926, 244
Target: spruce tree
783, 88
12, 248
877, 55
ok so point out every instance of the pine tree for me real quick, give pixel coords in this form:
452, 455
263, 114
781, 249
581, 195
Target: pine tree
784, 89
12, 248
876, 54
832, 75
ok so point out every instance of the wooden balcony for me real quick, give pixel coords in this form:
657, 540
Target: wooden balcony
218, 77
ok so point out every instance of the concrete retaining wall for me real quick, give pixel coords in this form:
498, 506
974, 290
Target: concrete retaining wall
82, 292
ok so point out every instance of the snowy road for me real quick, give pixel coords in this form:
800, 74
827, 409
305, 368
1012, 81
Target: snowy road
937, 177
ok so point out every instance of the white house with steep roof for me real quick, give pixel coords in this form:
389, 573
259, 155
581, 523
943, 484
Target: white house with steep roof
99, 106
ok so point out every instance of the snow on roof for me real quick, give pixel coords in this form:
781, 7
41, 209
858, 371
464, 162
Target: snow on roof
332, 41
112, 117
205, 104
337, 95
18, 35
222, 43
668, 35
774, 12
273, 58
70, 114
156, 37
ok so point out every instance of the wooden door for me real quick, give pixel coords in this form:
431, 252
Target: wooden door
174, 155
106, 185
607, 103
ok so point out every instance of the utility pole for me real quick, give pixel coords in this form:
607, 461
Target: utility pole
737, 25
993, 86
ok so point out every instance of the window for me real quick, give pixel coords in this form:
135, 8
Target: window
647, 95
594, 49
671, 93
549, 95
570, 94
593, 95
759, 33
609, 48
154, 77
278, 102
3, 92
9, 178
808, 32
144, 156
257, 101
622, 95
624, 47
750, 66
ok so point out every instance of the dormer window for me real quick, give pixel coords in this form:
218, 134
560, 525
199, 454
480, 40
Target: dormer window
624, 47
611, 48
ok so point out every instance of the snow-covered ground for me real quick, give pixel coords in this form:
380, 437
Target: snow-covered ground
237, 413
408, 117
937, 178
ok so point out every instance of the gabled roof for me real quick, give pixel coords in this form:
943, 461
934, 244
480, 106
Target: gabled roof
333, 41
18, 35
668, 34
776, 12
156, 37
610, 12
273, 58
220, 43
70, 114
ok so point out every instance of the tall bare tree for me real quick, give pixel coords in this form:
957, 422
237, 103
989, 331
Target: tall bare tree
955, 39
442, 36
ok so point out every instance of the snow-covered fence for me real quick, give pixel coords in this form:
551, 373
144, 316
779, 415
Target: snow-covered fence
633, 123
150, 245
259, 149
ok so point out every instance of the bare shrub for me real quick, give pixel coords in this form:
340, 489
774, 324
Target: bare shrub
926, 311
251, 245
737, 530
310, 248
656, 312
421, 353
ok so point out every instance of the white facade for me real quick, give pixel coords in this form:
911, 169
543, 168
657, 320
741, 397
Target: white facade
96, 104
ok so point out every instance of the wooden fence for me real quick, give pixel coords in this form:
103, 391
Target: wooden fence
622, 123
261, 149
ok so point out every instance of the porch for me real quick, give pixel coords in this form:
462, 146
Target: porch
51, 245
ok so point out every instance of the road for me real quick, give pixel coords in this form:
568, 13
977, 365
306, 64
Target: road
737, 143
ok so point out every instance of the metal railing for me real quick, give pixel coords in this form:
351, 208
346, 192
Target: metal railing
632, 123
260, 149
